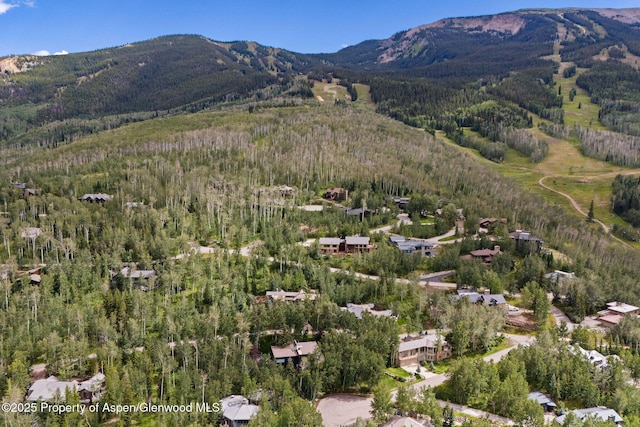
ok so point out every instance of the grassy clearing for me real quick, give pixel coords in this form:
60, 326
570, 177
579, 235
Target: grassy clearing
581, 110
567, 171
364, 97
329, 92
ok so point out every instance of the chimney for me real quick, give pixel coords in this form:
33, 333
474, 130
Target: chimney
487, 291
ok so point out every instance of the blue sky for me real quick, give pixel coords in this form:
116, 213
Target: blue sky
29, 26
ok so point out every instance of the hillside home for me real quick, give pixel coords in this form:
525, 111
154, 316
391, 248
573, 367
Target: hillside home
401, 202
135, 274
359, 309
622, 308
348, 245
336, 194
559, 276
543, 400
357, 244
484, 255
610, 320
331, 245
361, 213
488, 222
597, 359
599, 413
523, 238
52, 388
294, 353
412, 246
486, 298
615, 312
422, 349
300, 295
237, 411
96, 198
26, 191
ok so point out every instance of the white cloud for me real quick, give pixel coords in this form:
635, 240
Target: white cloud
5, 7
44, 52
345, 45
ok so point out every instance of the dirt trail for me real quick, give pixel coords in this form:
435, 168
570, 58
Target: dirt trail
577, 207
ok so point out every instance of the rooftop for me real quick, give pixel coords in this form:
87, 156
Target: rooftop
412, 343
137, 274
621, 307
96, 196
357, 240
49, 388
359, 309
295, 349
330, 241
524, 235
300, 295
237, 408
478, 298
541, 398
612, 319
600, 413
486, 252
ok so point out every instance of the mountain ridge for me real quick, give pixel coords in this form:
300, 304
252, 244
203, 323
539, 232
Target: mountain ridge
187, 73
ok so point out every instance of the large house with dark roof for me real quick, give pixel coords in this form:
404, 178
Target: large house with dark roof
96, 198
484, 255
523, 238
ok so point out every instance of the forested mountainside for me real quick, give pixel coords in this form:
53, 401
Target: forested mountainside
58, 98
153, 195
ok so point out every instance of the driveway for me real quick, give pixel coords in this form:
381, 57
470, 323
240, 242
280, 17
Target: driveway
343, 409
402, 219
560, 317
